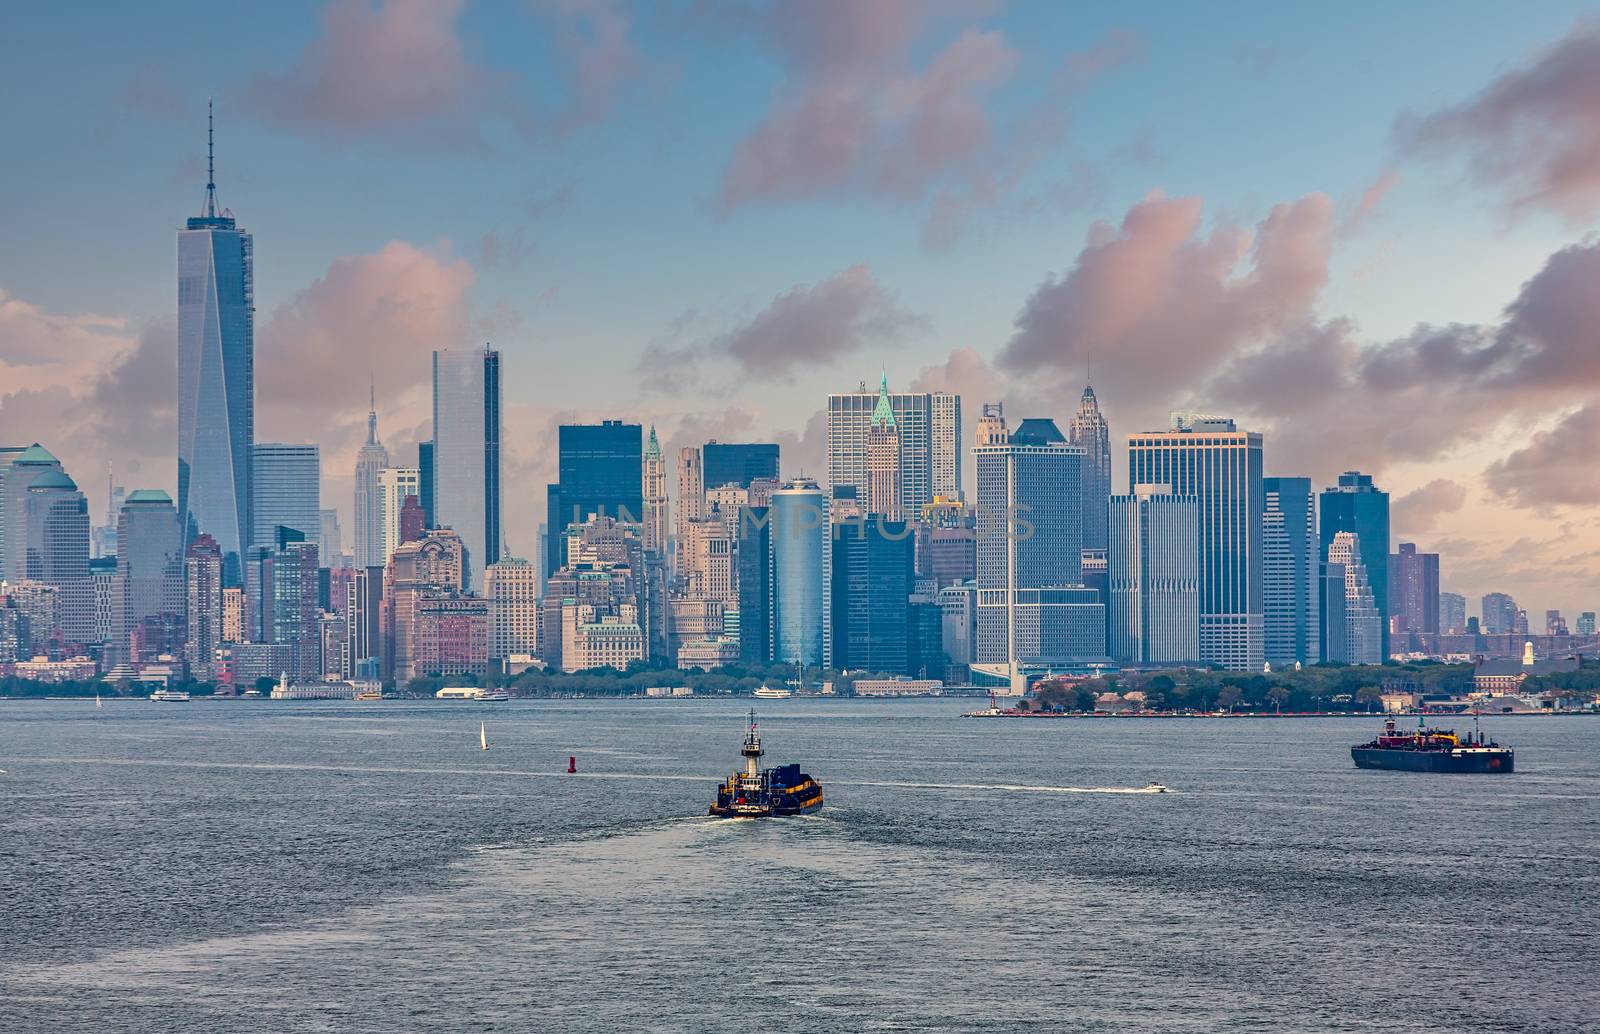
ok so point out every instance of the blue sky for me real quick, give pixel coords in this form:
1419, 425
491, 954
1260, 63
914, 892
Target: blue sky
608, 237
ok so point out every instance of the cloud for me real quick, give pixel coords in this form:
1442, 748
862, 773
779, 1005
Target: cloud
1533, 133
1555, 467
863, 112
1368, 204
1158, 306
592, 37
807, 325
1421, 508
375, 67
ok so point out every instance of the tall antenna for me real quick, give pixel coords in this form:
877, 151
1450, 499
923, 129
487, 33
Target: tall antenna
211, 165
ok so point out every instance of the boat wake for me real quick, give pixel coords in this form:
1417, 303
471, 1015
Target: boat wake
1010, 787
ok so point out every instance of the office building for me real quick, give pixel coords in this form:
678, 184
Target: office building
958, 613
466, 454
1363, 626
1290, 559
928, 426
22, 468
216, 378
655, 497
425, 482
1089, 431
1356, 505
601, 469
372, 458
799, 547
871, 587
149, 568
394, 486
288, 492
590, 639
1414, 590
450, 636
511, 585
1453, 613
330, 541
1586, 624
738, 463
1210, 459
203, 613
1033, 608
281, 599
1153, 577
1499, 614
882, 494
691, 498
364, 625
54, 519
756, 602
433, 566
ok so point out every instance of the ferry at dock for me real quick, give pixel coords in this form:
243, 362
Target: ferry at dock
757, 793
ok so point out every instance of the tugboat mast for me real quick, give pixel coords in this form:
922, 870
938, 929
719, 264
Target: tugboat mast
752, 751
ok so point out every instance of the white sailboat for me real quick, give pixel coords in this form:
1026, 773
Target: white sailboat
483, 735
97, 702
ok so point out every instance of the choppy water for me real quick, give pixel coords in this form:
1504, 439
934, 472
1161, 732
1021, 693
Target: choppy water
259, 866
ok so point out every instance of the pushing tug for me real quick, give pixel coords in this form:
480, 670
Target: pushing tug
1433, 750
757, 793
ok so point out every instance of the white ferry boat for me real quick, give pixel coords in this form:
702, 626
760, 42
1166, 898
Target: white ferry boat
771, 693
170, 696
471, 693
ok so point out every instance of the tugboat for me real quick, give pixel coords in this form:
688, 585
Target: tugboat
1433, 750
757, 793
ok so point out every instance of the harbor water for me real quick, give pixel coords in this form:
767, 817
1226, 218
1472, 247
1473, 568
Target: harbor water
265, 866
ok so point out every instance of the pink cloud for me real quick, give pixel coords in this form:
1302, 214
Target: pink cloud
1534, 132
1421, 508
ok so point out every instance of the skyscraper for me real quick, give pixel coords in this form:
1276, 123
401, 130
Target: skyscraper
216, 377
1453, 613
288, 491
870, 594
203, 613
799, 533
394, 484
1586, 625
149, 563
691, 499
1032, 605
655, 497
372, 458
922, 419
883, 488
1499, 614
756, 601
1153, 574
1356, 505
1414, 589
511, 586
466, 453
1290, 557
24, 467
601, 469
425, 481
1363, 639
738, 463
1090, 432
330, 541
1212, 460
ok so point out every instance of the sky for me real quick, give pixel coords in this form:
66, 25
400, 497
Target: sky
1368, 232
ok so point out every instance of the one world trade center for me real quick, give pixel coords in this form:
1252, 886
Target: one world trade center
216, 377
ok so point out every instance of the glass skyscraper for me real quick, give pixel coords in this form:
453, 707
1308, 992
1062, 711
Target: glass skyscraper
1356, 505
1211, 459
799, 543
872, 573
601, 471
1153, 575
466, 453
738, 463
288, 491
216, 379
1290, 560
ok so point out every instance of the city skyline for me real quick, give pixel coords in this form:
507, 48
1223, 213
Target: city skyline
313, 297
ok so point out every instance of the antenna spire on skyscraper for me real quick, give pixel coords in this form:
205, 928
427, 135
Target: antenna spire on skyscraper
211, 164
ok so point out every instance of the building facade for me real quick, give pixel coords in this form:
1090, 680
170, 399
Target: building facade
216, 379
1356, 505
871, 577
287, 483
1414, 590
1290, 559
373, 457
738, 463
1220, 466
799, 545
1153, 577
203, 620
1089, 431
466, 453
601, 470
1363, 626
921, 421
655, 496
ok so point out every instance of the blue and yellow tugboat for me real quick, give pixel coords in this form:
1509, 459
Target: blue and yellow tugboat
757, 793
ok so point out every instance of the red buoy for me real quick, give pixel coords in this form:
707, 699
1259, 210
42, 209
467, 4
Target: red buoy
572, 765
